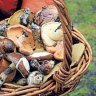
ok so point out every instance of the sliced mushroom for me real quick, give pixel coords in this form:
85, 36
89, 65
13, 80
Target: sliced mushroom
22, 37
22, 65
40, 56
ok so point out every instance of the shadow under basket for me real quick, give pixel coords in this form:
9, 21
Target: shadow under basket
66, 79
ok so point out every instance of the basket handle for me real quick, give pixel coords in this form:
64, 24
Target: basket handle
66, 25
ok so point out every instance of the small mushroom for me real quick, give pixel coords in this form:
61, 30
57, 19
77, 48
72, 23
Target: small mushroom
3, 28
3, 66
22, 37
45, 67
58, 50
35, 78
47, 14
5, 73
6, 45
25, 17
22, 65
40, 56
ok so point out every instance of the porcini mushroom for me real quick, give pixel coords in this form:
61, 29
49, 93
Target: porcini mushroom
45, 67
21, 63
47, 14
3, 66
6, 45
22, 37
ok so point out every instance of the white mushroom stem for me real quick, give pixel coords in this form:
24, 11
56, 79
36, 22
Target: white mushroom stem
5, 74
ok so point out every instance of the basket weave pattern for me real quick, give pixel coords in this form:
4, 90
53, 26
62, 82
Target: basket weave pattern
66, 79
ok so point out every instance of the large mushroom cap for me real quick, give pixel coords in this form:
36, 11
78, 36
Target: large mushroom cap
22, 37
6, 45
45, 15
14, 57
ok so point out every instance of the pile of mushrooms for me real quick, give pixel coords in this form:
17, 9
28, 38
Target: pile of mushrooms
32, 47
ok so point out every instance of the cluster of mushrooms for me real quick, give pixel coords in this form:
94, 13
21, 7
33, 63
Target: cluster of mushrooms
31, 44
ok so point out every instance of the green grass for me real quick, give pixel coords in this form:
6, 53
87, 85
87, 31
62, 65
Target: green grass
83, 16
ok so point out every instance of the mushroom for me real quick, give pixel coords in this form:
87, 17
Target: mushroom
3, 66
24, 18
17, 16
35, 78
5, 73
3, 28
58, 50
6, 45
14, 58
40, 56
45, 67
47, 14
51, 32
22, 37
22, 65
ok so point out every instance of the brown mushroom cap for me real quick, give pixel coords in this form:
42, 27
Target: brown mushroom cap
14, 57
22, 37
47, 14
6, 45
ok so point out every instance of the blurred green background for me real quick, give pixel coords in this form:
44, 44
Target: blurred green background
83, 16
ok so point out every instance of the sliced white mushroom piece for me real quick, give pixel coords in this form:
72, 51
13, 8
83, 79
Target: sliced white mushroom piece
40, 55
23, 66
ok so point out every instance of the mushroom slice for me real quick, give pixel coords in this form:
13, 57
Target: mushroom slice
40, 56
22, 65
22, 37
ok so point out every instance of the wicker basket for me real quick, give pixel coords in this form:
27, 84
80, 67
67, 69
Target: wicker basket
66, 79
